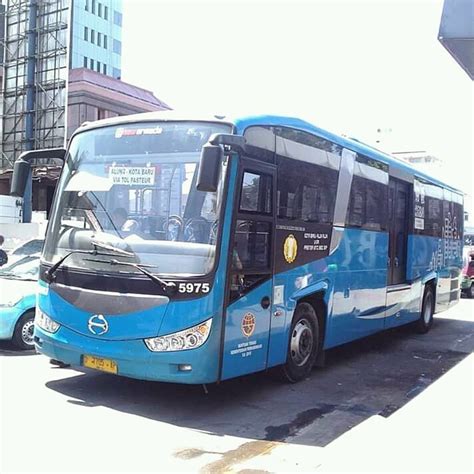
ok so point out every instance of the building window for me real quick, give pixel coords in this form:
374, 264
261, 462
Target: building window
99, 9
98, 66
86, 33
101, 114
104, 68
85, 61
117, 73
106, 13
105, 41
99, 39
93, 7
92, 64
92, 36
117, 18
87, 6
117, 46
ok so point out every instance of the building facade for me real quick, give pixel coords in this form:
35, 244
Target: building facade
62, 67
96, 36
93, 96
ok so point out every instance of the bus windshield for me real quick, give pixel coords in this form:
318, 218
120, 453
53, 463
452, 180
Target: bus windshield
132, 187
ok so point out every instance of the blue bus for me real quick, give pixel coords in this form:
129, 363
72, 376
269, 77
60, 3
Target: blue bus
194, 250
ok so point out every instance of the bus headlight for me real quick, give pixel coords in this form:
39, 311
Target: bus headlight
182, 340
44, 322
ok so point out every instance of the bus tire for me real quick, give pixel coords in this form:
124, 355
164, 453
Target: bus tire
470, 291
303, 344
23, 333
423, 325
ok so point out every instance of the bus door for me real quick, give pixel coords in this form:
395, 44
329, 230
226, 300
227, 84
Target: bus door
399, 200
249, 285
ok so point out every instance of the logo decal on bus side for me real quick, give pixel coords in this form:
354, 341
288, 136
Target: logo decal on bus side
248, 324
290, 248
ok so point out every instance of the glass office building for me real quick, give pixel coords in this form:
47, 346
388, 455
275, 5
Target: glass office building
96, 36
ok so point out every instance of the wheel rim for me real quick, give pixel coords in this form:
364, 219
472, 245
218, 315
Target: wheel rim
301, 342
428, 309
27, 332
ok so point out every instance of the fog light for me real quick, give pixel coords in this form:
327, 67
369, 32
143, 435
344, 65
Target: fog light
185, 367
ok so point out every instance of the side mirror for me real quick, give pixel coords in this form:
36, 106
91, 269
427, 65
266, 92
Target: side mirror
209, 166
21, 170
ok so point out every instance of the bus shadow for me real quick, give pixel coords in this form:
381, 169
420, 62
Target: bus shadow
375, 375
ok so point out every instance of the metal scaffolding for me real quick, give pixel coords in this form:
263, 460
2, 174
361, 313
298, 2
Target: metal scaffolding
35, 77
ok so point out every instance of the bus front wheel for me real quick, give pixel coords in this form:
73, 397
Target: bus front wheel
425, 322
303, 345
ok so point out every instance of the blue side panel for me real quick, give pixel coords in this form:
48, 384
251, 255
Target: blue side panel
246, 334
440, 257
288, 288
353, 279
424, 254
404, 306
360, 286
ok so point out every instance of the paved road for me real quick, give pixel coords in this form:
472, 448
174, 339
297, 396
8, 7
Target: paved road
70, 420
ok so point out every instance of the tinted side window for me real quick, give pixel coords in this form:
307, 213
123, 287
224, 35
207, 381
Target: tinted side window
306, 191
457, 224
252, 245
256, 194
308, 139
433, 216
368, 204
260, 143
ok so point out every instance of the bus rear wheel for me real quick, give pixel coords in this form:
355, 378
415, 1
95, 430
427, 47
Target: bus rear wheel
303, 346
423, 325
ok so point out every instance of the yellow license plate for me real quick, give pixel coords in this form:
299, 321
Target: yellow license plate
106, 365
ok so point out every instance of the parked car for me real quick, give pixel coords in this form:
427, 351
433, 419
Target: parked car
18, 285
467, 282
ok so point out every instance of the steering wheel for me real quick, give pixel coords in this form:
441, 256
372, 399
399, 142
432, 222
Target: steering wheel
173, 226
195, 229
244, 226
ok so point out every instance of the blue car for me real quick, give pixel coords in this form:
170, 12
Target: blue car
18, 286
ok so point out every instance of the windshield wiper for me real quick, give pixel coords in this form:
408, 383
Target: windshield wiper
103, 245
165, 285
49, 274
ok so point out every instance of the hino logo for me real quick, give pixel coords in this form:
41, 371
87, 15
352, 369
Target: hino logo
98, 325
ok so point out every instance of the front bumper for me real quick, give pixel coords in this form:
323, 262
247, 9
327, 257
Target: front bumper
132, 357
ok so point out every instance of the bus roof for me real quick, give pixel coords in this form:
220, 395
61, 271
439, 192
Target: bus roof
241, 123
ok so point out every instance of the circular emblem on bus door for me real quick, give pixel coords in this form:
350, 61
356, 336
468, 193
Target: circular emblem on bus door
248, 324
98, 325
290, 248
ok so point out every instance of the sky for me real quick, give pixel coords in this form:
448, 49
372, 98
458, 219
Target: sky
352, 66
